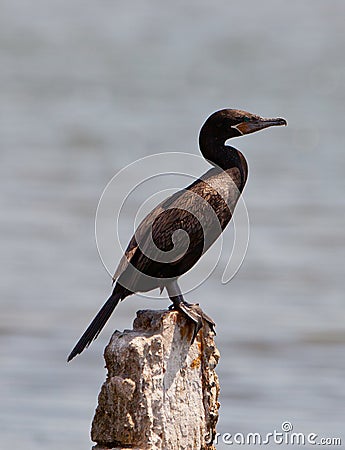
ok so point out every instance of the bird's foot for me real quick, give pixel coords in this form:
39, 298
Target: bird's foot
195, 314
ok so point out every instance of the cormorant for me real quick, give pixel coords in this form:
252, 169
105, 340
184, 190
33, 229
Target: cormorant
202, 210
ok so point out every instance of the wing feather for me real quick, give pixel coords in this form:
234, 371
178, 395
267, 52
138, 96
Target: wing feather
177, 212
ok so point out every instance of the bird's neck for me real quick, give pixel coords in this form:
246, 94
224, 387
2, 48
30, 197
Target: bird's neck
218, 154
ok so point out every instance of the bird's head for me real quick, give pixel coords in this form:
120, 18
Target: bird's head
228, 123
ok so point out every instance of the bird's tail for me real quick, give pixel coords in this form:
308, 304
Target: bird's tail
96, 325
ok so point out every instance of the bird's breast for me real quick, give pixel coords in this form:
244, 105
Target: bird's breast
225, 187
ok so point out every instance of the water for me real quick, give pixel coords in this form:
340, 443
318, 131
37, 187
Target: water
88, 88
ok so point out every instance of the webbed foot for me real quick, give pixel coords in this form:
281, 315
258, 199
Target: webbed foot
194, 313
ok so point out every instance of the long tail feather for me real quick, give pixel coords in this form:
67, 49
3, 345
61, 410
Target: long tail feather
96, 325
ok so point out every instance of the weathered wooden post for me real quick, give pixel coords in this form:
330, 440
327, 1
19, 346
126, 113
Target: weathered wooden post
161, 392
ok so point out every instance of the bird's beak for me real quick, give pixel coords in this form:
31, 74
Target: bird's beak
259, 123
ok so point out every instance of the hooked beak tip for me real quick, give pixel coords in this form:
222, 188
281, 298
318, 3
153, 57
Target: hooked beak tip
281, 121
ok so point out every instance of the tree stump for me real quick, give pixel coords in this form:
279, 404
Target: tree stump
161, 392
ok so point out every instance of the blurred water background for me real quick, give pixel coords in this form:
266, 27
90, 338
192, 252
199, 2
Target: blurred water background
89, 87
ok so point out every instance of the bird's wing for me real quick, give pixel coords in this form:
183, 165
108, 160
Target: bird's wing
143, 229
179, 211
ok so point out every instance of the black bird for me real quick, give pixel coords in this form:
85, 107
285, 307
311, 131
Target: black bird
174, 235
